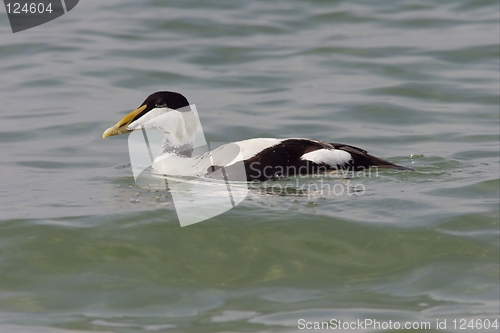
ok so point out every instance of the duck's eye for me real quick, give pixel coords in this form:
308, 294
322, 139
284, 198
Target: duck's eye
160, 104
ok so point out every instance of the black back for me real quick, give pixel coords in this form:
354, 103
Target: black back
284, 160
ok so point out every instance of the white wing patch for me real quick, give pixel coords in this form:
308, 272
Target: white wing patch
332, 157
251, 147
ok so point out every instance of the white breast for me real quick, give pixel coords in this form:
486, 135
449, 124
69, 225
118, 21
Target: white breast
224, 155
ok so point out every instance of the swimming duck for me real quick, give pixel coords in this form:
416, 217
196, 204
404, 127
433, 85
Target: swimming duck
263, 158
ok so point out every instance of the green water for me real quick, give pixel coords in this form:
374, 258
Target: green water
84, 249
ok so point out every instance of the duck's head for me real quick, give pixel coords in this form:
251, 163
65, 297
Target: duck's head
156, 104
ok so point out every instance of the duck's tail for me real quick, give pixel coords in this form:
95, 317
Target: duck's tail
362, 160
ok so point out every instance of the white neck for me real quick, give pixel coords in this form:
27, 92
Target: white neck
179, 128
179, 140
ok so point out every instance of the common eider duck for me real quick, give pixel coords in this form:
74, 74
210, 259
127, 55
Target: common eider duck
263, 158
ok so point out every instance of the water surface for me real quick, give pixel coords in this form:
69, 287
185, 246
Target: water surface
83, 249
